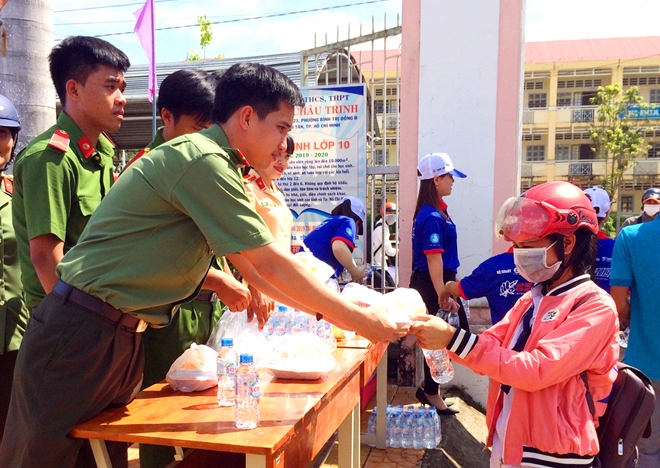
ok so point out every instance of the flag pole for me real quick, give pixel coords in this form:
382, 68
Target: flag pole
155, 75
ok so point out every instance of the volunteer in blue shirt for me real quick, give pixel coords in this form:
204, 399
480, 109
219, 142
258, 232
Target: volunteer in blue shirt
497, 279
333, 241
435, 252
600, 200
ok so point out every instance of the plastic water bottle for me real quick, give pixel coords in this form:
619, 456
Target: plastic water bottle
282, 321
390, 417
406, 428
418, 428
371, 425
453, 320
431, 428
396, 427
466, 307
623, 337
442, 370
247, 394
227, 364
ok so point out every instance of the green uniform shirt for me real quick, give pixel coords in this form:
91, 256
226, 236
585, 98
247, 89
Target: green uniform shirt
151, 241
13, 313
59, 180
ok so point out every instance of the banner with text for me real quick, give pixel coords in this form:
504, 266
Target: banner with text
329, 161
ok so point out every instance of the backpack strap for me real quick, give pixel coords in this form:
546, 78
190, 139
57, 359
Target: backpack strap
588, 396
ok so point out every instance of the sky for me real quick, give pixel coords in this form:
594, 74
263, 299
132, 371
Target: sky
291, 26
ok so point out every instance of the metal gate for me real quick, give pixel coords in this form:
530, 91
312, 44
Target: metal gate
366, 59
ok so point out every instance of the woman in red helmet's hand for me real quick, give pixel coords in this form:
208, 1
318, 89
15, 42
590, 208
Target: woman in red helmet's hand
537, 411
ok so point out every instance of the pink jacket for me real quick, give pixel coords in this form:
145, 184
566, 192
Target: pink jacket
575, 329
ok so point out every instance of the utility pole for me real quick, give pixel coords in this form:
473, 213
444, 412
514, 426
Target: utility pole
26, 35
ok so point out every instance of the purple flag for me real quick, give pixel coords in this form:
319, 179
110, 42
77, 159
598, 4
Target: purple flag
145, 29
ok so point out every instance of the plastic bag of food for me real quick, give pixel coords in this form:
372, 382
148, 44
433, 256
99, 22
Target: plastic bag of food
321, 270
300, 356
247, 336
194, 370
404, 303
361, 295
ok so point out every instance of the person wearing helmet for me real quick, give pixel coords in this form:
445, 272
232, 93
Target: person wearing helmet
600, 200
13, 312
563, 330
333, 240
380, 247
435, 253
650, 208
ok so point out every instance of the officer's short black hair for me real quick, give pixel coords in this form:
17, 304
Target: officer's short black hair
256, 85
188, 92
77, 57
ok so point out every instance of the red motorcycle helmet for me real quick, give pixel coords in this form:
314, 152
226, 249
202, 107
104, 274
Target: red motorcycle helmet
389, 208
550, 208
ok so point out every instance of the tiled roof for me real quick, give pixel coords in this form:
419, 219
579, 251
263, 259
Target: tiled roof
592, 49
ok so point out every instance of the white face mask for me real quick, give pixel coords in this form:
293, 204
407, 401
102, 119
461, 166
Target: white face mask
532, 264
391, 219
651, 209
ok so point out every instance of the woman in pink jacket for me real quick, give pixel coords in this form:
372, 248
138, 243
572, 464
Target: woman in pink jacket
537, 411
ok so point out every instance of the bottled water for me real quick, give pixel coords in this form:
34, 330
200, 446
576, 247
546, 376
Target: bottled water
389, 425
371, 425
431, 433
442, 371
247, 394
623, 337
396, 427
299, 322
453, 320
466, 307
406, 428
227, 363
418, 428
282, 321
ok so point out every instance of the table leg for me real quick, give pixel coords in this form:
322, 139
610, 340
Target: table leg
381, 403
349, 439
100, 452
255, 461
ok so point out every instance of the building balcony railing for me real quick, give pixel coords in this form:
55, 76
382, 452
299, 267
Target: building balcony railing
579, 169
583, 115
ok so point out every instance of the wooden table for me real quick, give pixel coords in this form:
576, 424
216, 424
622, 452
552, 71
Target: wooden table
297, 419
376, 359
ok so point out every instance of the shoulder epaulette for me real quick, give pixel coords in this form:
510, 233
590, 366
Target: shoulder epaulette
249, 178
8, 184
137, 156
60, 140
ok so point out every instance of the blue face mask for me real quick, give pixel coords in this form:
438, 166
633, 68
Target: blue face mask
532, 264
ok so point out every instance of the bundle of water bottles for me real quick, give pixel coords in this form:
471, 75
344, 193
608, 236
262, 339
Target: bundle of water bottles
412, 427
238, 385
286, 320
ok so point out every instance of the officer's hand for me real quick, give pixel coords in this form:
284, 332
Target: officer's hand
261, 305
235, 295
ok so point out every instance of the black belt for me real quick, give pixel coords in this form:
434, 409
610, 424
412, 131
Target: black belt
207, 296
105, 310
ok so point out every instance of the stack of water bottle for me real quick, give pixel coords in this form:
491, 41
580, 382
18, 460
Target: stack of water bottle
286, 320
417, 428
238, 386
441, 368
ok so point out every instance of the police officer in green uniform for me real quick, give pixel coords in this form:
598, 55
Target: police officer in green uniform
13, 312
64, 173
185, 101
148, 246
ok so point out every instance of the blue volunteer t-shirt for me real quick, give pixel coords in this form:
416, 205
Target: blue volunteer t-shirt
432, 233
603, 261
635, 261
320, 240
498, 280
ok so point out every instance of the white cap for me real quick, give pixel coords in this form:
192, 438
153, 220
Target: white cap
600, 200
357, 207
436, 164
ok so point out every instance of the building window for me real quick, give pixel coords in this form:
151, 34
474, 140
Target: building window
655, 96
564, 99
562, 152
377, 159
534, 85
654, 150
392, 107
536, 100
535, 153
379, 106
627, 203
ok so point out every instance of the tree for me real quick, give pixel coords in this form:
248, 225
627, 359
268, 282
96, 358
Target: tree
618, 133
205, 32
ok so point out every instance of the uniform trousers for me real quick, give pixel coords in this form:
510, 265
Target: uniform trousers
421, 281
72, 365
7, 365
193, 323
